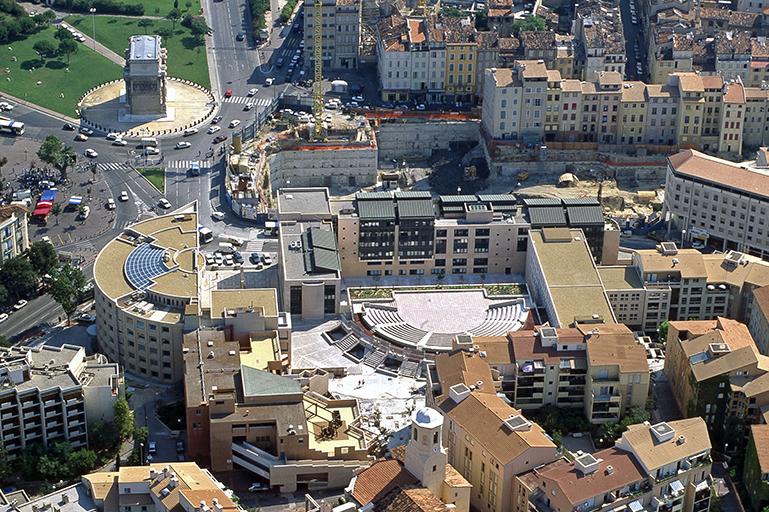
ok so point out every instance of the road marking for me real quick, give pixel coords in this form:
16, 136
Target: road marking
259, 102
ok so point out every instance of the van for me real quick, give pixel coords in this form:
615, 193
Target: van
85, 212
226, 248
206, 235
149, 142
195, 169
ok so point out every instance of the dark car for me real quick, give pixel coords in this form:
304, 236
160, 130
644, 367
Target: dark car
68, 127
216, 120
237, 257
179, 446
255, 258
219, 138
241, 36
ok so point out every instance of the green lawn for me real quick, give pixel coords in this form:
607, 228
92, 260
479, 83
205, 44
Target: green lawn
185, 60
156, 176
86, 69
162, 7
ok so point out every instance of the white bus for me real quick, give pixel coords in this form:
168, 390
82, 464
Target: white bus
149, 142
11, 126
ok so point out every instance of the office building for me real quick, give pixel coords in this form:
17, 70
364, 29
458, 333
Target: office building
726, 202
52, 394
566, 293
14, 236
282, 429
758, 319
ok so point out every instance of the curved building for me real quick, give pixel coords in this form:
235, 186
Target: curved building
145, 280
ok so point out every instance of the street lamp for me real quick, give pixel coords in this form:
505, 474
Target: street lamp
92, 10
141, 453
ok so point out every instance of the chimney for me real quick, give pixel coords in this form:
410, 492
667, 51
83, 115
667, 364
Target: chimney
681, 439
609, 469
152, 473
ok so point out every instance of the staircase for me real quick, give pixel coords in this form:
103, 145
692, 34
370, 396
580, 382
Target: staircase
374, 358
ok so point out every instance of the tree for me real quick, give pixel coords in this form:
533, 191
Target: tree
56, 210
663, 330
530, 24
19, 278
67, 47
46, 17
53, 151
6, 466
3, 294
43, 257
67, 283
62, 34
81, 461
124, 421
44, 48
174, 15
102, 436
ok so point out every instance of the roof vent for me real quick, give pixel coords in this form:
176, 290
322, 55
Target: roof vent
211, 355
663, 432
609, 470
718, 349
681, 440
668, 248
459, 392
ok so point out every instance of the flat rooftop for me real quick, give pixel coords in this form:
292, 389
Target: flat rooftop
304, 201
316, 256
259, 299
570, 274
159, 255
144, 47
620, 278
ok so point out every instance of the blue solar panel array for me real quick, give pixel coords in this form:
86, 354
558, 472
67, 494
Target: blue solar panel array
143, 265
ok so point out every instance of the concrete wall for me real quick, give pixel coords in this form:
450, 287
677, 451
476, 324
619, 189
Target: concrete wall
418, 139
333, 168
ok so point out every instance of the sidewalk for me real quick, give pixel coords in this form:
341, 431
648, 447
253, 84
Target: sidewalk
98, 47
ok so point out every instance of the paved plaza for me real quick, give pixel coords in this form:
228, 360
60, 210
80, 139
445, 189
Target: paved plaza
443, 311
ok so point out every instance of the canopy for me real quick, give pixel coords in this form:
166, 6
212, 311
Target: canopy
42, 209
75, 200
48, 195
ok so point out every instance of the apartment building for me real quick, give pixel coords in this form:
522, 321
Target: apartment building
756, 466
174, 486
461, 42
671, 284
341, 30
716, 372
14, 236
725, 201
241, 415
51, 394
489, 443
417, 477
662, 467
669, 52
567, 294
599, 33
758, 319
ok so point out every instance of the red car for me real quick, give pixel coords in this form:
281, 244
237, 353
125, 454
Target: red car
228, 92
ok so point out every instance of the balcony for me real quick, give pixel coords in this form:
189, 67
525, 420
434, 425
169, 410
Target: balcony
612, 398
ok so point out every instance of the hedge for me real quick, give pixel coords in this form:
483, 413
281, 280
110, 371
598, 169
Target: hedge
102, 6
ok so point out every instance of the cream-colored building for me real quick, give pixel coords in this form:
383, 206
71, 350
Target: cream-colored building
14, 236
341, 30
151, 285
175, 486
723, 203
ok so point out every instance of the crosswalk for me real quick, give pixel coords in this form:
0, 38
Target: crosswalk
168, 164
112, 166
258, 102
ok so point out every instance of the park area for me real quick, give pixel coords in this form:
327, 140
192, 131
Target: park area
186, 53
55, 82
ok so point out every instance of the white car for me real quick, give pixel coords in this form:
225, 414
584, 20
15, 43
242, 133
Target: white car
113, 136
358, 98
152, 151
190, 131
269, 82
421, 106
234, 123
90, 153
3, 317
218, 259
123, 196
217, 216
267, 259
111, 204
19, 304
163, 203
5, 106
213, 129
248, 107
252, 92
81, 137
183, 145
119, 142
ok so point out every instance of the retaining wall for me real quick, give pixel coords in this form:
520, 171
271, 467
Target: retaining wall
418, 139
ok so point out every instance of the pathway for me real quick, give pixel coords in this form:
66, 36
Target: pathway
98, 47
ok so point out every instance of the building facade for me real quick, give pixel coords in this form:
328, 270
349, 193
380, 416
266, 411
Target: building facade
14, 235
145, 75
341, 31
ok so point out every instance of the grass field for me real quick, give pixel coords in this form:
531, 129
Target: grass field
162, 7
86, 69
156, 176
185, 60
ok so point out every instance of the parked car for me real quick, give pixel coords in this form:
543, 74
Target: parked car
241, 36
266, 259
234, 123
3, 317
219, 138
5, 106
86, 131
86, 318
113, 136
119, 142
237, 257
81, 137
163, 203
252, 91
256, 487
90, 153
255, 258
68, 127
19, 305
152, 447
217, 215
111, 204
216, 120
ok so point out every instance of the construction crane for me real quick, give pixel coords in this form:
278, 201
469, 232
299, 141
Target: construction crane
317, 85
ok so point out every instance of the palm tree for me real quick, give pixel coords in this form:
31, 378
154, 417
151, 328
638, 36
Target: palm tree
66, 159
3, 162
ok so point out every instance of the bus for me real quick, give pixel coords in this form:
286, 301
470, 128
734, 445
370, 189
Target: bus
11, 126
149, 142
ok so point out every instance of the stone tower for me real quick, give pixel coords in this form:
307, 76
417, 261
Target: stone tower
145, 76
426, 458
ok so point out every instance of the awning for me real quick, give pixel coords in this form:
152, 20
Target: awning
676, 486
48, 195
75, 200
43, 210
